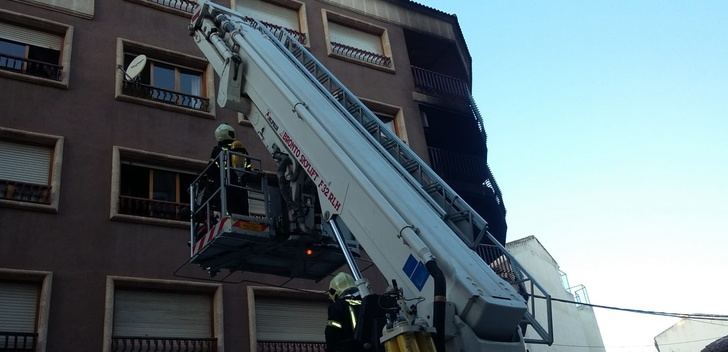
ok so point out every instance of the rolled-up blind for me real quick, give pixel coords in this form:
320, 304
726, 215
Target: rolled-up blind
18, 306
290, 320
30, 36
24, 163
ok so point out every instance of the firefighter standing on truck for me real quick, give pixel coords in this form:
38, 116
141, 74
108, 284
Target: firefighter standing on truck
343, 313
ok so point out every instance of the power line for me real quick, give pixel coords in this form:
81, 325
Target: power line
698, 316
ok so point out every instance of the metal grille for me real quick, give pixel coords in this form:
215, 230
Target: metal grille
25, 192
162, 344
290, 346
31, 67
17, 341
361, 55
154, 208
182, 5
165, 96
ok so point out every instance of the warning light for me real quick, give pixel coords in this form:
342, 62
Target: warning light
309, 251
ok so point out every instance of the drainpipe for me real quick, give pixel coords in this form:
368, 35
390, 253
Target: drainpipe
439, 304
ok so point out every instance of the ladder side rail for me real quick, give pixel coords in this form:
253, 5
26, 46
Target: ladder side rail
404, 154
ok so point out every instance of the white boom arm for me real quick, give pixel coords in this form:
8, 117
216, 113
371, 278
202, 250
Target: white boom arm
357, 180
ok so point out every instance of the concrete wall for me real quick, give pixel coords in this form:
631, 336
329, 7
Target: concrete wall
690, 335
574, 325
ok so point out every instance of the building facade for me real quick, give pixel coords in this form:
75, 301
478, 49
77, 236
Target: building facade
575, 325
692, 335
93, 170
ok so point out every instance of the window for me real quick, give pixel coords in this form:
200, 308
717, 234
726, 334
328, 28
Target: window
171, 315
390, 115
357, 41
30, 169
24, 300
80, 8
169, 80
153, 186
35, 50
180, 7
286, 320
288, 15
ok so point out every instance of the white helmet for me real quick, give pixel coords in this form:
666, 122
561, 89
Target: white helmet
224, 132
339, 284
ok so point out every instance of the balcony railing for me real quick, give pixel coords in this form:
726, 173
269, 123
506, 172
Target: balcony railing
290, 346
301, 37
187, 6
154, 208
162, 344
436, 83
17, 341
361, 55
30, 67
25, 192
165, 96
458, 166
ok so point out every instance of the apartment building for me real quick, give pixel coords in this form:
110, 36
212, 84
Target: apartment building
94, 169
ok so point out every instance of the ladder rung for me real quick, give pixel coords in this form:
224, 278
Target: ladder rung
457, 216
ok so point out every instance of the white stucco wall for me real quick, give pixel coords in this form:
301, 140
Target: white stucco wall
690, 335
573, 325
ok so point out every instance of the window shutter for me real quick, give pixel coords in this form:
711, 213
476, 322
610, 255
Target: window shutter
162, 314
18, 307
24, 163
290, 320
355, 38
30, 36
271, 13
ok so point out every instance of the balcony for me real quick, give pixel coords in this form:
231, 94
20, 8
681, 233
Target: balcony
360, 55
162, 344
434, 83
30, 67
165, 96
458, 166
25, 192
290, 346
154, 208
17, 341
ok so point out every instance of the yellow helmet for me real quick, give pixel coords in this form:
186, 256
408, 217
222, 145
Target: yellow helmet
340, 283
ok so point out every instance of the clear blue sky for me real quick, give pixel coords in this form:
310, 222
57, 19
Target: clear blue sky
608, 134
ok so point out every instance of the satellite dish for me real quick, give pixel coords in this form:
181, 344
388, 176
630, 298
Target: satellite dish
135, 67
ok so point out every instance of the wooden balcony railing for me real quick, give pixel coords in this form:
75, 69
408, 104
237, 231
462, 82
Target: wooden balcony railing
162, 344
361, 55
25, 192
17, 341
31, 67
290, 346
436, 83
154, 208
165, 96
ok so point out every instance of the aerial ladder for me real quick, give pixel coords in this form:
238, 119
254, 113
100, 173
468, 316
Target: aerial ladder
345, 182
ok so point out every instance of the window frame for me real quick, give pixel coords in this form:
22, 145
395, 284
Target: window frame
64, 31
54, 182
362, 26
253, 291
142, 157
68, 7
298, 6
45, 280
400, 128
173, 58
126, 282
